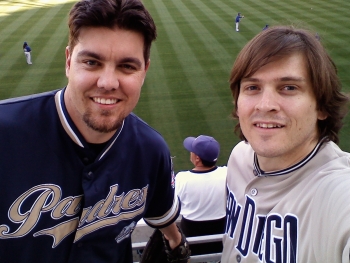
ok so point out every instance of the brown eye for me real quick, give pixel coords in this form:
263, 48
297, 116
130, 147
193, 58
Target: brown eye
289, 87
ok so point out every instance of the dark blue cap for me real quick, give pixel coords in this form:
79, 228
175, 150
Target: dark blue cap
206, 147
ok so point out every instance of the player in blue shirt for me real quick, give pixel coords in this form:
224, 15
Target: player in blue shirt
27, 50
78, 168
238, 19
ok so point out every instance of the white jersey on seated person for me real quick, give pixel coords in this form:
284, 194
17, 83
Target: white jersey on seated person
201, 191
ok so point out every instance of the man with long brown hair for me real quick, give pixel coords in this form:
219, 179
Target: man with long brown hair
288, 182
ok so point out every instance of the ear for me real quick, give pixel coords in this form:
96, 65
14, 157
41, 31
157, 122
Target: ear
321, 115
146, 68
147, 65
68, 61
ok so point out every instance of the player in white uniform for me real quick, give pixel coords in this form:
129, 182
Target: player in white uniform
288, 182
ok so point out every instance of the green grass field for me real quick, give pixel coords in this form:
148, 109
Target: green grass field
186, 92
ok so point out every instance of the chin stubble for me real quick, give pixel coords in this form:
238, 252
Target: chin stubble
99, 126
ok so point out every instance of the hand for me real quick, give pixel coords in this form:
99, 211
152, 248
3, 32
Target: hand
177, 252
173, 243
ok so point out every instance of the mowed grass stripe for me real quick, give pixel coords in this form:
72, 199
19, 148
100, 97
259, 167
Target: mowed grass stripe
206, 27
47, 48
215, 52
308, 16
231, 10
167, 82
203, 88
157, 106
175, 75
55, 78
12, 66
18, 23
30, 74
212, 55
7, 8
275, 14
193, 120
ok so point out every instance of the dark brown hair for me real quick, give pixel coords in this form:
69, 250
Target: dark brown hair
125, 14
282, 41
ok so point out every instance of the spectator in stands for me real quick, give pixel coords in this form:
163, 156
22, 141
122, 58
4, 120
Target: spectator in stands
202, 193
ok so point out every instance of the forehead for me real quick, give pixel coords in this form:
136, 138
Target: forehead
110, 38
280, 67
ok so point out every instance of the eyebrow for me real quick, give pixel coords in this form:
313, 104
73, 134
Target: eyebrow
132, 60
87, 53
287, 78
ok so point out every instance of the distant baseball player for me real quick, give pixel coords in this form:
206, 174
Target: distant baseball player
238, 19
288, 182
27, 50
78, 169
202, 193
265, 27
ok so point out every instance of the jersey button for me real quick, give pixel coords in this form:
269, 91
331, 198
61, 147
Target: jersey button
238, 258
254, 192
89, 175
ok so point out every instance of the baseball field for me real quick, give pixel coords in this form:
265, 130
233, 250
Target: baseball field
186, 92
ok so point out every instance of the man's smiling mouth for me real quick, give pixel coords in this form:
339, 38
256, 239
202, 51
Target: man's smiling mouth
268, 125
105, 101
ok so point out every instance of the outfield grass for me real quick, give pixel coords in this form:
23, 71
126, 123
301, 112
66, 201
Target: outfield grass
186, 92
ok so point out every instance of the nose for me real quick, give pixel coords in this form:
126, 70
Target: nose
268, 101
108, 79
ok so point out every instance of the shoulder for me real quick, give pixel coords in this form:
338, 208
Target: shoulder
242, 149
333, 175
330, 159
28, 98
331, 197
222, 170
143, 128
26, 105
182, 175
240, 161
143, 134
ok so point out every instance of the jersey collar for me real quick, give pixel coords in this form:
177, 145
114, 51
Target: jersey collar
72, 130
258, 172
204, 171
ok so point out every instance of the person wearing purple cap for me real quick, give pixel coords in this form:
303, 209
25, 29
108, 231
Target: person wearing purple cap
201, 191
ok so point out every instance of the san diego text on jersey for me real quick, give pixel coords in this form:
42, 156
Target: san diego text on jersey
262, 240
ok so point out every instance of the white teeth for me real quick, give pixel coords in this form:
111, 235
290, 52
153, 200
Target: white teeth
105, 101
268, 125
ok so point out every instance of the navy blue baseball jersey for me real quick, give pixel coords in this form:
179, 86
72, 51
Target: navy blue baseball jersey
64, 201
238, 18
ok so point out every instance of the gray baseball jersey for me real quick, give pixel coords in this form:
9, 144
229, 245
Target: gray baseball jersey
299, 214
